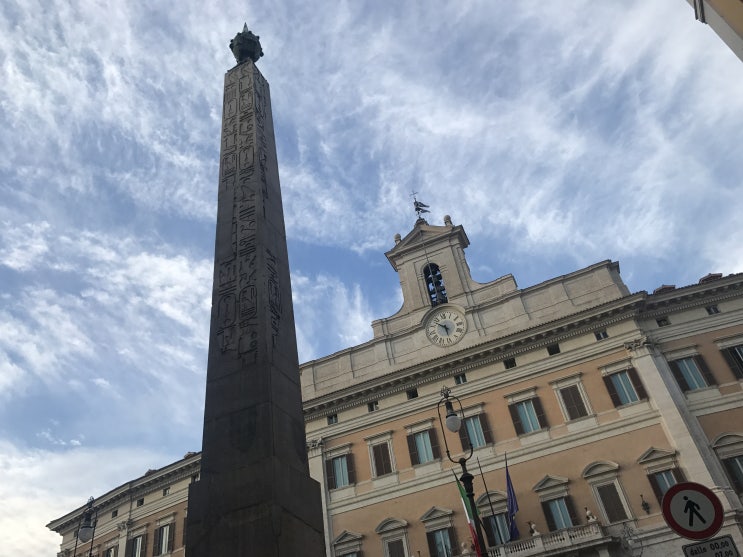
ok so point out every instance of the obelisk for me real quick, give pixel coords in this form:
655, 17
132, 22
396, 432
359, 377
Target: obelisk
255, 496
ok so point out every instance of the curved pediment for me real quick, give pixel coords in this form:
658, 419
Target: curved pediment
599, 468
725, 439
390, 524
493, 497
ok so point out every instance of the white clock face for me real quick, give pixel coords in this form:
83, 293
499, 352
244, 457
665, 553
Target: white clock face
446, 327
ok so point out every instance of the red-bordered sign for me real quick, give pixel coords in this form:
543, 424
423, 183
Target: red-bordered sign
692, 510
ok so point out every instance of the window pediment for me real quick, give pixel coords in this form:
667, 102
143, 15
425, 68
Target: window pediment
391, 525
551, 482
653, 454
600, 468
347, 537
436, 512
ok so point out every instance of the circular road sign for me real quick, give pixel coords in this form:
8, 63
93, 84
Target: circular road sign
692, 510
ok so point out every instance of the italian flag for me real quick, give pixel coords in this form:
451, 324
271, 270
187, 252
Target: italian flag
471, 515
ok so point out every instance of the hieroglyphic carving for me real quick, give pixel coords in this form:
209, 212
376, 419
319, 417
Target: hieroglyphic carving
245, 175
274, 295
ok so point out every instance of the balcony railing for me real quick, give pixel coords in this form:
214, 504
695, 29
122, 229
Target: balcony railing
553, 542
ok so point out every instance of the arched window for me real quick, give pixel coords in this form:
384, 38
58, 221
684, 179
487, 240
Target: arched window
435, 284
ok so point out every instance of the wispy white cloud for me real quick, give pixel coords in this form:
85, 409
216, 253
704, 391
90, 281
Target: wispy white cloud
40, 485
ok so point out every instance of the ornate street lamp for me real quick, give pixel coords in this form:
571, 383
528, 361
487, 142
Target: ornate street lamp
454, 422
86, 527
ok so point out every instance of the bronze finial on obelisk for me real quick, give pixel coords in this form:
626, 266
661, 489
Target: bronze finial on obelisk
255, 496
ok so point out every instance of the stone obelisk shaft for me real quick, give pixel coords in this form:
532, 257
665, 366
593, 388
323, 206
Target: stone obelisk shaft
254, 496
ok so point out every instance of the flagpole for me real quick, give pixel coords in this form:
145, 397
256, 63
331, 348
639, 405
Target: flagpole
487, 492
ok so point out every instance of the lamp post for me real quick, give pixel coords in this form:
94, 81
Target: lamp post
453, 424
86, 527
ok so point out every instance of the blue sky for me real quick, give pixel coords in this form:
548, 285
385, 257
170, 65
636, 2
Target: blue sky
558, 133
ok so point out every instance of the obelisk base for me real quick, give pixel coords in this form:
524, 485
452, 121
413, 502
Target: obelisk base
280, 521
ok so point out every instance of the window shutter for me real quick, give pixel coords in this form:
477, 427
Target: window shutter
185, 521
157, 545
679, 376
351, 469
541, 417
731, 469
637, 384
382, 461
431, 544
129, 548
571, 510
455, 541
656, 488
678, 475
396, 548
611, 502
702, 365
516, 420
736, 366
612, 391
435, 443
486, 433
573, 402
144, 546
171, 536
548, 515
464, 437
489, 527
330, 473
413, 450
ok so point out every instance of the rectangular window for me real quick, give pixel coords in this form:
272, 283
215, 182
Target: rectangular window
553, 349
423, 447
573, 401
559, 513
601, 335
114, 513
611, 502
509, 363
475, 430
373, 406
496, 529
166, 491
663, 322
734, 358
332, 419
382, 462
164, 536
662, 481
440, 543
412, 393
340, 471
527, 415
712, 310
691, 373
734, 468
459, 379
395, 548
111, 552
625, 387
140, 501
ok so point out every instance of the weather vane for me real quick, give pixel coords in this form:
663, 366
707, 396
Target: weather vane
419, 206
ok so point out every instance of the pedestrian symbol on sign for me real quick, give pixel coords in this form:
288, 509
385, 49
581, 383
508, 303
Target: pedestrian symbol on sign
692, 509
